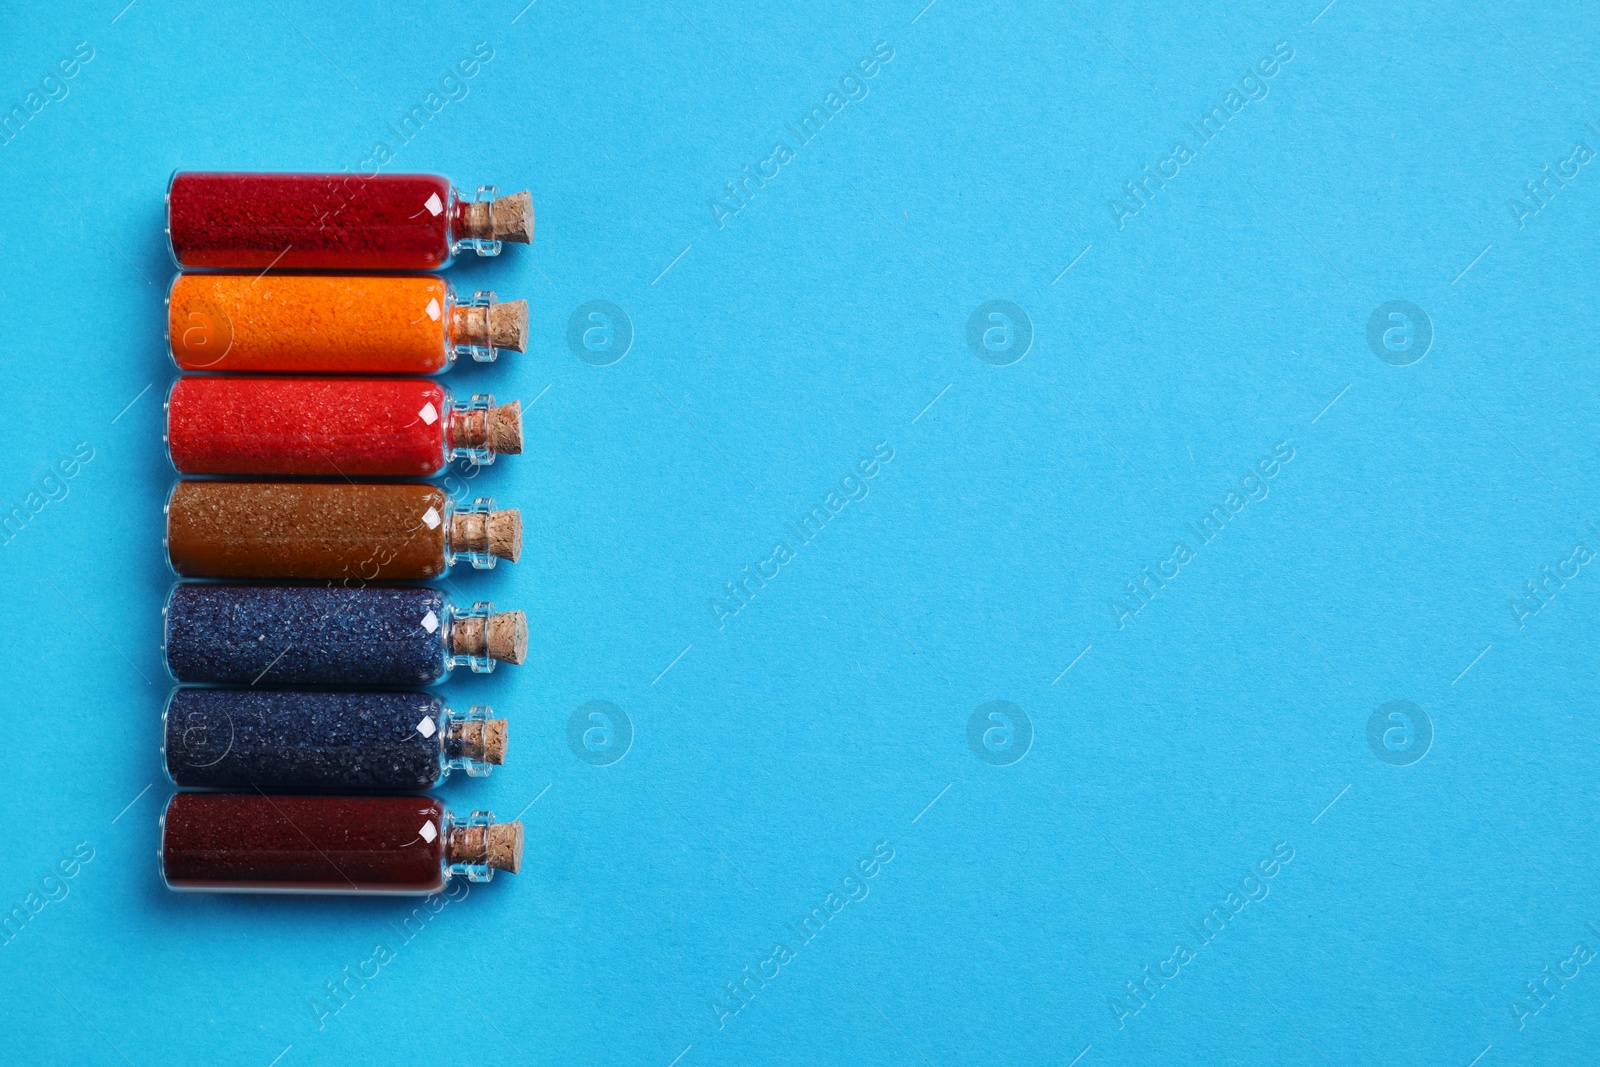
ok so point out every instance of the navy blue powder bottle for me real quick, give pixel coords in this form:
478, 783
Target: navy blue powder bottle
285, 635
294, 740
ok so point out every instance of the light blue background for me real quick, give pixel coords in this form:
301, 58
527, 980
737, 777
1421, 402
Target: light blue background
771, 354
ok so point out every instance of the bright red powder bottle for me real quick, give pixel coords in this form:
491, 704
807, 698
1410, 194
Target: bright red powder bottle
335, 221
251, 842
339, 427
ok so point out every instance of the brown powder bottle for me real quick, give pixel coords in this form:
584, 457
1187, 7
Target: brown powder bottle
336, 531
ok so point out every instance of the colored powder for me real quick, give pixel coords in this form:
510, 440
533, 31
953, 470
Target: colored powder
346, 427
311, 221
298, 323
277, 739
306, 530
318, 844
277, 635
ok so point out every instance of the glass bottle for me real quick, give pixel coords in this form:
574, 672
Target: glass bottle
332, 427
256, 843
335, 324
265, 221
318, 741
347, 531
294, 635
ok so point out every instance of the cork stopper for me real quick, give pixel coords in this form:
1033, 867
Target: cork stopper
494, 741
481, 739
497, 326
499, 845
505, 428
505, 534
499, 429
506, 218
505, 846
499, 533
508, 325
513, 218
508, 636
503, 636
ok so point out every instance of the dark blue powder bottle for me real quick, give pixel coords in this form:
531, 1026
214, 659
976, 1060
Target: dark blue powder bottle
276, 739
284, 635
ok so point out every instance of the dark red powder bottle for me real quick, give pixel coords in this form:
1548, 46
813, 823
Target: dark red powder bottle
332, 427
335, 221
252, 842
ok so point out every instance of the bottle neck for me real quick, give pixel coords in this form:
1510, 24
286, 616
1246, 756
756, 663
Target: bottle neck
471, 741
477, 846
479, 637
475, 224
482, 534
478, 429
485, 221
481, 327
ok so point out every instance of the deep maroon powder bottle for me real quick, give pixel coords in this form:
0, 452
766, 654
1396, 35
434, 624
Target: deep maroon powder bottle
252, 842
335, 221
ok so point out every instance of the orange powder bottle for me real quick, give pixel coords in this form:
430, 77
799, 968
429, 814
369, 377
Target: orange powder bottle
335, 324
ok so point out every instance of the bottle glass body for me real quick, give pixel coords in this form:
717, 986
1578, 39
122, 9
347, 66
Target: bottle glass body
262, 221
318, 324
315, 741
285, 635
318, 427
251, 842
